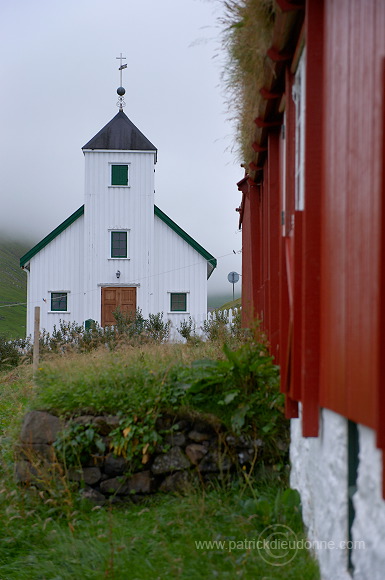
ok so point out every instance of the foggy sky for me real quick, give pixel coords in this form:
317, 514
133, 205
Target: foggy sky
59, 77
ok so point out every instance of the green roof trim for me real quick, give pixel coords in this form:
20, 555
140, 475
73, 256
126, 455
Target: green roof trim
211, 261
45, 241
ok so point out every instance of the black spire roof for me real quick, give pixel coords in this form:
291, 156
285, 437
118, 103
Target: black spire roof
120, 134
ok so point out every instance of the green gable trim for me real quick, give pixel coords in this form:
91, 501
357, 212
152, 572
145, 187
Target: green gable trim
45, 241
211, 261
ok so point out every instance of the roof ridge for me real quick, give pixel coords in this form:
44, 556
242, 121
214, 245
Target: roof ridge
120, 133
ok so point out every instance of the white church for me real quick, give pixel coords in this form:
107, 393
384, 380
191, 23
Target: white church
118, 249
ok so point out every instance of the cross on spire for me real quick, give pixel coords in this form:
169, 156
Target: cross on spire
122, 66
121, 91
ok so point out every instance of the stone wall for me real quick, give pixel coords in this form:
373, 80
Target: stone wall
320, 473
192, 452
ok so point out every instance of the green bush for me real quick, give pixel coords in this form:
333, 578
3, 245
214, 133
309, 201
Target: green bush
242, 390
187, 330
128, 324
130, 328
11, 352
217, 327
157, 329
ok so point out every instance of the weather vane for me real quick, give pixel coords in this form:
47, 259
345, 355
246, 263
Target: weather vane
121, 91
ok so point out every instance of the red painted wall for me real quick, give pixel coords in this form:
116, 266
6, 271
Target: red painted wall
318, 284
351, 226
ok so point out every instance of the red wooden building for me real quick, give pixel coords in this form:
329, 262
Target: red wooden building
313, 210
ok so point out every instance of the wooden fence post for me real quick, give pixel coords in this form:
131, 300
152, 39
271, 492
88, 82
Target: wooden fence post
36, 336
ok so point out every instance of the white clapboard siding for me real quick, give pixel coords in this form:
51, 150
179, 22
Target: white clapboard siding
58, 267
178, 268
118, 208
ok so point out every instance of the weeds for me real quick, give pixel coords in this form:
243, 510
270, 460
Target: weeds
52, 533
187, 329
11, 352
217, 328
77, 443
140, 329
70, 337
163, 538
241, 389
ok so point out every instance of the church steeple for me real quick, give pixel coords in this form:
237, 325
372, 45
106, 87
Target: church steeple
120, 134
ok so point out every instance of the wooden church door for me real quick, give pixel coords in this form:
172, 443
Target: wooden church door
112, 298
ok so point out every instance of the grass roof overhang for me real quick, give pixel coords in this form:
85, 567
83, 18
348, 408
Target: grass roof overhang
289, 17
260, 37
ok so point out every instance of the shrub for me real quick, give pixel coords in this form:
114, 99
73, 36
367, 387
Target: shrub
217, 327
128, 324
73, 337
157, 329
11, 352
65, 336
242, 390
129, 329
187, 330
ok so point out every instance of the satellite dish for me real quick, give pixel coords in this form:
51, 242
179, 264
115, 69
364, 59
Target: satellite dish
233, 277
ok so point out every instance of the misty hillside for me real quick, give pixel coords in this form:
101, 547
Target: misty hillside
13, 289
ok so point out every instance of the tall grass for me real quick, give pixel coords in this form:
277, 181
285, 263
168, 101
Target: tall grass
104, 381
158, 539
247, 33
52, 533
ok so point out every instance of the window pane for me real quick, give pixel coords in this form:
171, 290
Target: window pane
178, 302
118, 244
59, 301
119, 174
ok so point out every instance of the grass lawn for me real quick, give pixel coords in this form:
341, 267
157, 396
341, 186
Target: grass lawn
211, 533
162, 538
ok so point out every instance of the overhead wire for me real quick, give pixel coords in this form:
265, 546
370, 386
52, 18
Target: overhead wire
136, 281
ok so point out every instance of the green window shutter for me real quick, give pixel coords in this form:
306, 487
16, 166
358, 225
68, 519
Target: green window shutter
178, 302
118, 244
59, 301
119, 174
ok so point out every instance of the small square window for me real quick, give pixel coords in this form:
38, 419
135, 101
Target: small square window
118, 244
59, 301
119, 174
178, 302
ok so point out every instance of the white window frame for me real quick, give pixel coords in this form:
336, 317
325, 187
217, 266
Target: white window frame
118, 230
110, 164
299, 98
67, 292
187, 311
